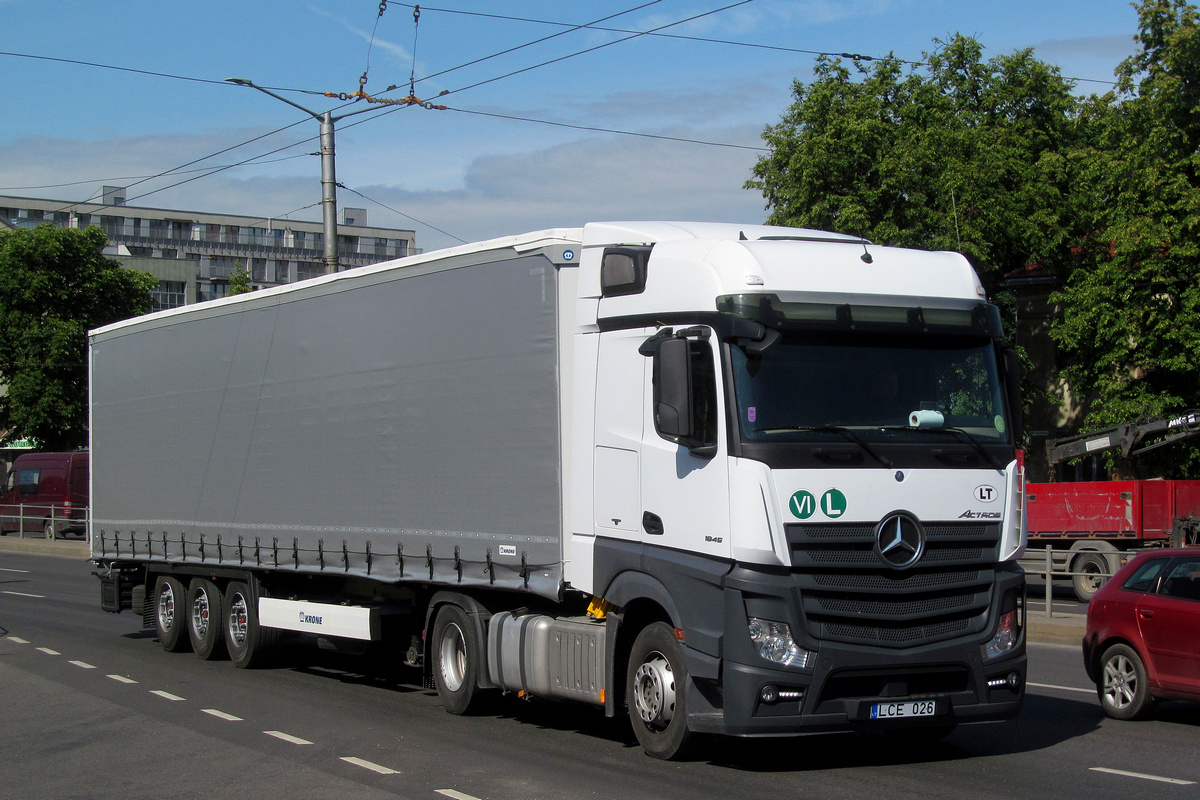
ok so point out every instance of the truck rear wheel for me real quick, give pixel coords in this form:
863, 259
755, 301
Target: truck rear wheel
204, 607
1093, 572
456, 658
249, 644
655, 691
170, 618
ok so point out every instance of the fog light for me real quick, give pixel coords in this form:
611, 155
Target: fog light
768, 694
1010, 681
1006, 636
774, 642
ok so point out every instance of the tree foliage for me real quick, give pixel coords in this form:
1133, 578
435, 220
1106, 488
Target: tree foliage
1000, 160
965, 155
239, 281
1131, 307
55, 285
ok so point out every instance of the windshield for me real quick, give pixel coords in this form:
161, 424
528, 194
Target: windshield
888, 388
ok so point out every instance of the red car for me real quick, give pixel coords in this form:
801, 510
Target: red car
1143, 633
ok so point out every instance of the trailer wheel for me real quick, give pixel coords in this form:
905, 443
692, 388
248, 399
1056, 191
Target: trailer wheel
655, 689
170, 618
456, 655
204, 607
249, 644
49, 530
1093, 569
1123, 688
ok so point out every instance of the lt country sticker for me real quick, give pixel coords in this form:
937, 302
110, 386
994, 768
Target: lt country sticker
803, 504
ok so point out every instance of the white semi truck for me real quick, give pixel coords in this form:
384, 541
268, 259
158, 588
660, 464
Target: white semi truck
739, 480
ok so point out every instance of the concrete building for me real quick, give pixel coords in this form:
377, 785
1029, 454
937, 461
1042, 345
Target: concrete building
193, 254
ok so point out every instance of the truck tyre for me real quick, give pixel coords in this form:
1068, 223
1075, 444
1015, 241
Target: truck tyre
1123, 688
249, 644
170, 617
655, 692
204, 613
1093, 569
456, 658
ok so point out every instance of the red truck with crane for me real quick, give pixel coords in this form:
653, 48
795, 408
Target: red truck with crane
1093, 527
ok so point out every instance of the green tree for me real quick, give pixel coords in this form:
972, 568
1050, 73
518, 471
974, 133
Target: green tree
55, 284
239, 281
960, 154
1130, 324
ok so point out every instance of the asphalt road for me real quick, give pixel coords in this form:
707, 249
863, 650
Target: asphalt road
93, 708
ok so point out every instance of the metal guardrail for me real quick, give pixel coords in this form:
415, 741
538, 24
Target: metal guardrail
31, 521
1048, 572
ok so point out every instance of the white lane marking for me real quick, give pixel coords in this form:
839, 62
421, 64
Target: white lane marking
1060, 688
81, 664
358, 762
18, 640
287, 737
454, 795
25, 594
122, 679
48, 651
1143, 776
221, 715
166, 695
10, 569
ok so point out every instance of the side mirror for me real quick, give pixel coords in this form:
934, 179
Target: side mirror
673, 390
1012, 386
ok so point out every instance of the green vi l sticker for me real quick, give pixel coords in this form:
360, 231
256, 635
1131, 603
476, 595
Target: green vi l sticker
803, 504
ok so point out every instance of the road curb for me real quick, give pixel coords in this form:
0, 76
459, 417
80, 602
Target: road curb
44, 547
1055, 630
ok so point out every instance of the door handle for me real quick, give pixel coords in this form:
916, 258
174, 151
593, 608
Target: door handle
652, 523
1146, 613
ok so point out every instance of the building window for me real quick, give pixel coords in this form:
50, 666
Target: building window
212, 291
169, 294
309, 269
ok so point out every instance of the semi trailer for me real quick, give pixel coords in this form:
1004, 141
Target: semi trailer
727, 479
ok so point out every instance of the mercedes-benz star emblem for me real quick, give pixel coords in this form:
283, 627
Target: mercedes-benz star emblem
899, 541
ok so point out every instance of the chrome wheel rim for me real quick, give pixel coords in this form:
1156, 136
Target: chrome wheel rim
200, 613
654, 691
166, 607
453, 659
238, 620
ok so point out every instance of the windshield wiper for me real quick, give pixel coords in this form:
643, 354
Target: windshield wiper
844, 431
958, 433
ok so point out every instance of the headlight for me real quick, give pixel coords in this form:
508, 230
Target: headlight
1006, 636
774, 642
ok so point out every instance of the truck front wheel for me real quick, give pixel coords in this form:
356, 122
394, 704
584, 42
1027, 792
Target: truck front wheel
204, 607
456, 657
655, 691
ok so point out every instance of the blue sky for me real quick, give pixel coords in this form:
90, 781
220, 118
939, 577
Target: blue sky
466, 173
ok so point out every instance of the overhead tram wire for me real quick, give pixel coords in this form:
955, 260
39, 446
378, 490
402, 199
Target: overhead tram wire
711, 40
596, 129
115, 178
401, 213
596, 27
570, 29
